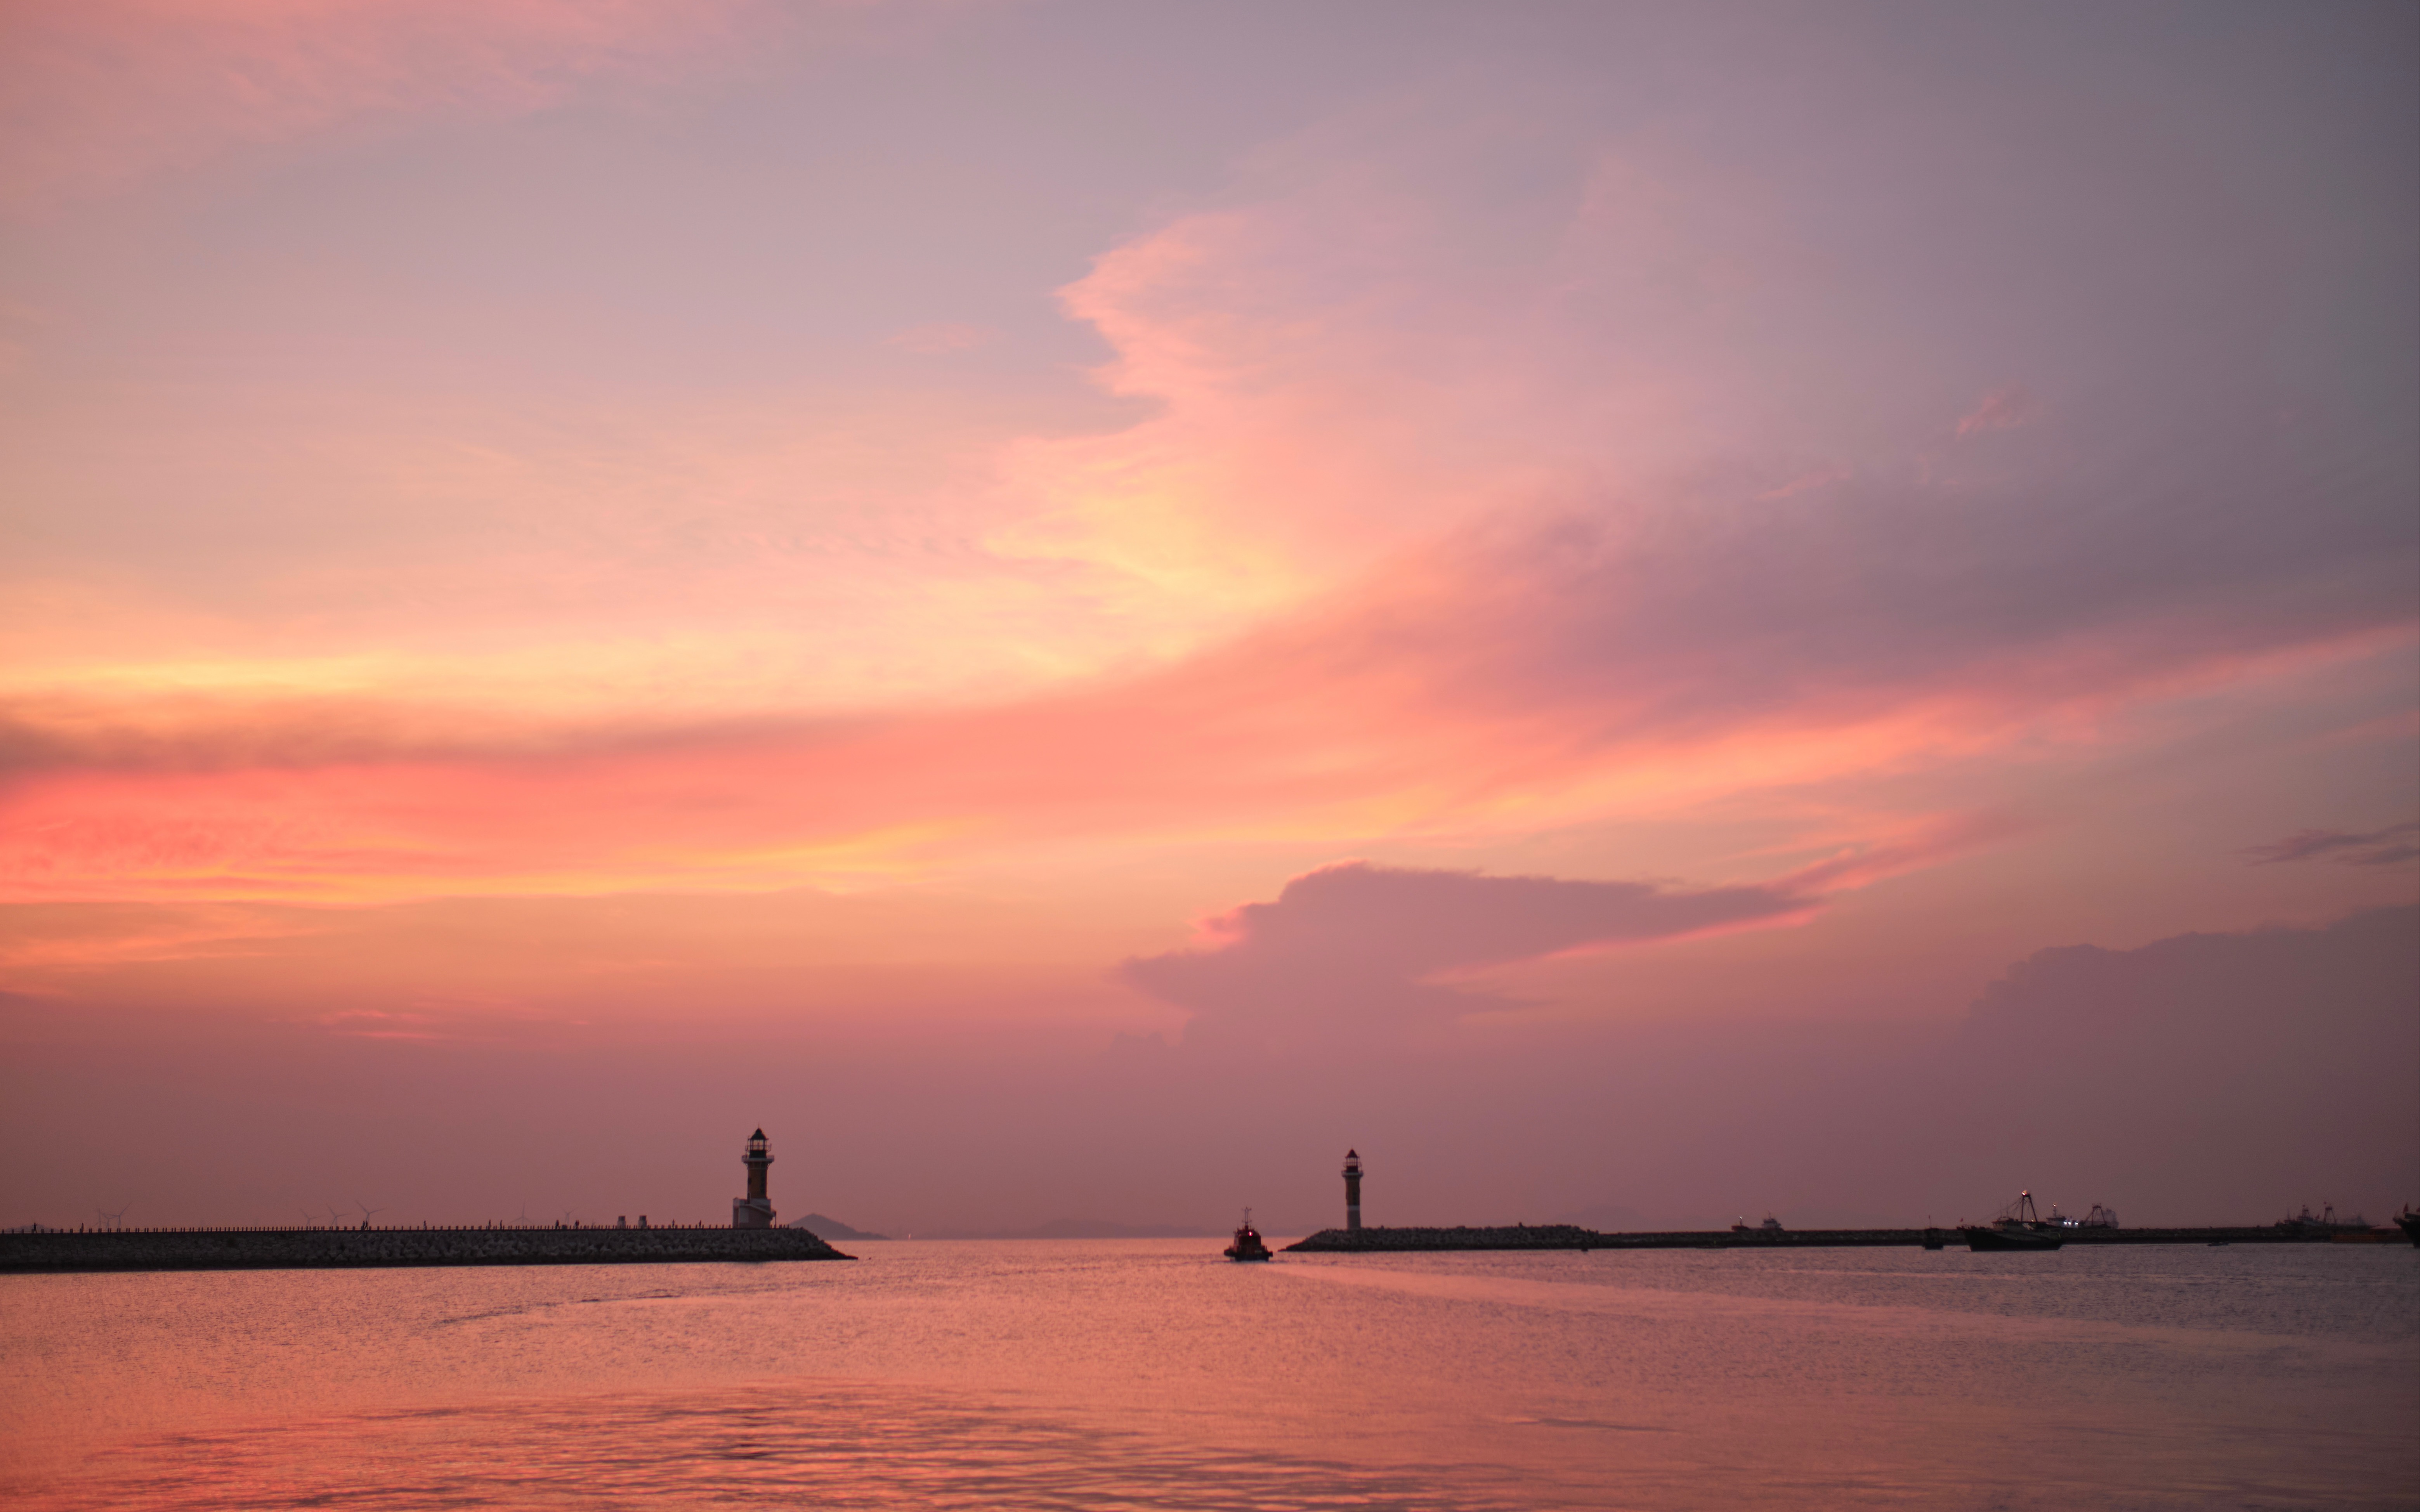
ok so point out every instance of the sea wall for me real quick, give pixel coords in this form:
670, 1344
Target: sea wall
1519, 1236
1566, 1236
251, 1249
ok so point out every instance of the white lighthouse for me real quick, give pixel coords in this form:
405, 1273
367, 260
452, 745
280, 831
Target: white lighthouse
755, 1210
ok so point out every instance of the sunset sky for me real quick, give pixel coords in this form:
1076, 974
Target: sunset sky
1641, 611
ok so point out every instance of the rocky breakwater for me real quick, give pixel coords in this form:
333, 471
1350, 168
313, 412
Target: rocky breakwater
1566, 1236
1518, 1236
273, 1249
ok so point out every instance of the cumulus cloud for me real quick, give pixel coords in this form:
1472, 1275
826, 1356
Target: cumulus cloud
2208, 1065
2378, 847
2086, 1003
1362, 946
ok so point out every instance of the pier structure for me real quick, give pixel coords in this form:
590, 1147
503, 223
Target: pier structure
318, 1249
1571, 1236
2033, 1231
752, 1237
755, 1210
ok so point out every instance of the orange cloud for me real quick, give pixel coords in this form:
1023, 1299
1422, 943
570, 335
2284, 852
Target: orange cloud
1401, 711
1410, 545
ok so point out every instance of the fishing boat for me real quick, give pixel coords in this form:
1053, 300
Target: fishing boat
2409, 1222
2017, 1227
1248, 1245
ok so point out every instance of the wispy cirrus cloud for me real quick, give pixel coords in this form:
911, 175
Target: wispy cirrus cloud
2003, 409
1461, 506
105, 93
1538, 673
1531, 678
2377, 847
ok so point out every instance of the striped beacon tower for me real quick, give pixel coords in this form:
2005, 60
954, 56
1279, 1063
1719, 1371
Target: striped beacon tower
1352, 1191
755, 1210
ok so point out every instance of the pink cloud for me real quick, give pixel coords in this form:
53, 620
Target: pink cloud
107, 93
1542, 677
1468, 532
2000, 409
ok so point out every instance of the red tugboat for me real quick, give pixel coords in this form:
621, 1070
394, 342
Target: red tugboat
1248, 1245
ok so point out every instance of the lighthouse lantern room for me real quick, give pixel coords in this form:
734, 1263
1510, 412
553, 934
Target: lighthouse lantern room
755, 1210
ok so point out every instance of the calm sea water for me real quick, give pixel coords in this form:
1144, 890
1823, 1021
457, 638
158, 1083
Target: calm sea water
1112, 1374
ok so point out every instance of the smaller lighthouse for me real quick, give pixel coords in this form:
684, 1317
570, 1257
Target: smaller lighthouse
755, 1210
1352, 1191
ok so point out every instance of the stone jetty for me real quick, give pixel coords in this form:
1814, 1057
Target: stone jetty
280, 1249
1567, 1236
1519, 1236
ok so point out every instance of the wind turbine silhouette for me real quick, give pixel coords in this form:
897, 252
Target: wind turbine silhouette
114, 1219
366, 1212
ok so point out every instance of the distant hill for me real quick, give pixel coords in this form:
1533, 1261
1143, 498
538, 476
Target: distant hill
1079, 1228
831, 1228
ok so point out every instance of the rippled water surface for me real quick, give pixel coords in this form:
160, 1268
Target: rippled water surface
1105, 1374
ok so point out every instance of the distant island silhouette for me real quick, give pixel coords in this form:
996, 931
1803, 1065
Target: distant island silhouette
829, 1229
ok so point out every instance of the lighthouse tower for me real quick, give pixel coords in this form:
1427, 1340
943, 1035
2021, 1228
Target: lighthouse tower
755, 1210
1352, 1191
